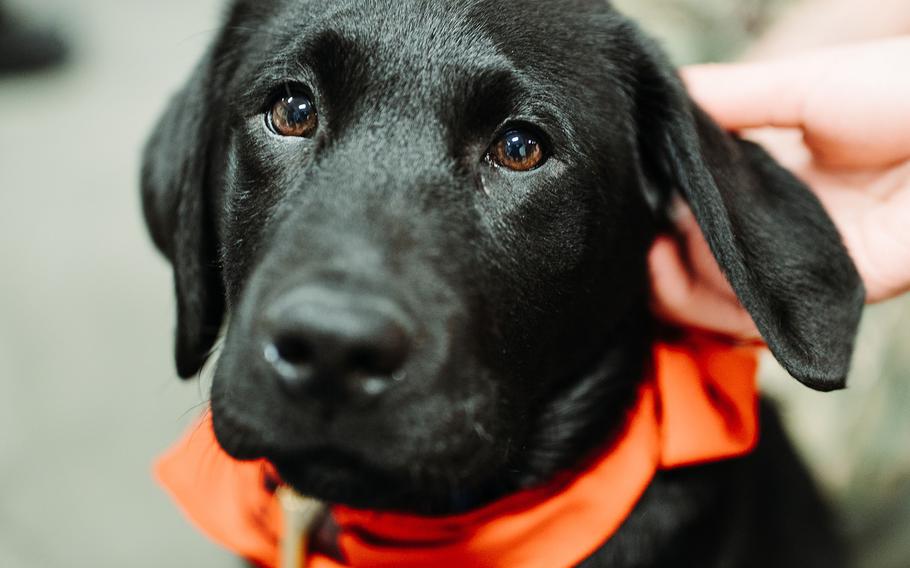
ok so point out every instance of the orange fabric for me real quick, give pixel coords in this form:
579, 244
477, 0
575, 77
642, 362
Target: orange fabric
700, 406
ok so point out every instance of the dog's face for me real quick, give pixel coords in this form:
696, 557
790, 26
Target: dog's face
428, 223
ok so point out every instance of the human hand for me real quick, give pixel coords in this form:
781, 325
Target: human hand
840, 120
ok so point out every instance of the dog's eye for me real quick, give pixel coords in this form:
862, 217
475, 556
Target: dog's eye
519, 150
293, 115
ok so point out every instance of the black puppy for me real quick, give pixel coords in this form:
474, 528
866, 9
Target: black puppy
428, 225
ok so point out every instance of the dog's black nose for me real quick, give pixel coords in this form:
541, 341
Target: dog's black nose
335, 345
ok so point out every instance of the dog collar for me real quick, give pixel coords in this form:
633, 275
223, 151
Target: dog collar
698, 406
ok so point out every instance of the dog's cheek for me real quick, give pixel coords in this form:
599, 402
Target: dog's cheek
536, 226
256, 181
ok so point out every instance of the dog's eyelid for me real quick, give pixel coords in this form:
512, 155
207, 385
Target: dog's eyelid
551, 126
287, 88
262, 89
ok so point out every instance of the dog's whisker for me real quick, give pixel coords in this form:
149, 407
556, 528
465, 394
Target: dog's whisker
206, 374
198, 405
482, 432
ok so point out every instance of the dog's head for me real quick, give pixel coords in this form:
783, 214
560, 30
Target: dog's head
427, 223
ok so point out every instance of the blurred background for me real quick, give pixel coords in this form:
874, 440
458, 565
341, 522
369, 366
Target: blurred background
88, 394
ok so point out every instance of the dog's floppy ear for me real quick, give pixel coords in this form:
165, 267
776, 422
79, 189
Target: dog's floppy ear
775, 243
177, 194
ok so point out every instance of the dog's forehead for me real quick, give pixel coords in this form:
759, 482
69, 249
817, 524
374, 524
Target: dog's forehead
421, 38
413, 38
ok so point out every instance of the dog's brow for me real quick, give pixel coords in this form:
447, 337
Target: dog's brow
489, 95
327, 59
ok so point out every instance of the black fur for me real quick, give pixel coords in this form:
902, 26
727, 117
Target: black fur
527, 291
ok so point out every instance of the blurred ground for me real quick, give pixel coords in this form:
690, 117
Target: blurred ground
87, 389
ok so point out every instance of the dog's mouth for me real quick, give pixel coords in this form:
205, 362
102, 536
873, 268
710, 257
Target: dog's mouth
331, 474
349, 470
337, 476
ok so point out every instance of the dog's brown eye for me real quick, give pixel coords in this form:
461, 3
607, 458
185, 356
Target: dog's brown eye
293, 115
518, 150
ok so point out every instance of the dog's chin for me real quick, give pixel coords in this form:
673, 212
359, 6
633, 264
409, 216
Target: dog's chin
340, 478
343, 479
417, 485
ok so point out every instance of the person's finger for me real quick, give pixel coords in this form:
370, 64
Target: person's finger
851, 102
753, 95
699, 260
682, 300
879, 242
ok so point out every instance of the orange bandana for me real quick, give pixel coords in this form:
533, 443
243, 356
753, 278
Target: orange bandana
699, 407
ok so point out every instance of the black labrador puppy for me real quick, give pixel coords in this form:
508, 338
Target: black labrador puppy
423, 226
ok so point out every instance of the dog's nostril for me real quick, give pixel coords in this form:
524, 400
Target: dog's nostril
366, 360
383, 357
291, 361
293, 350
